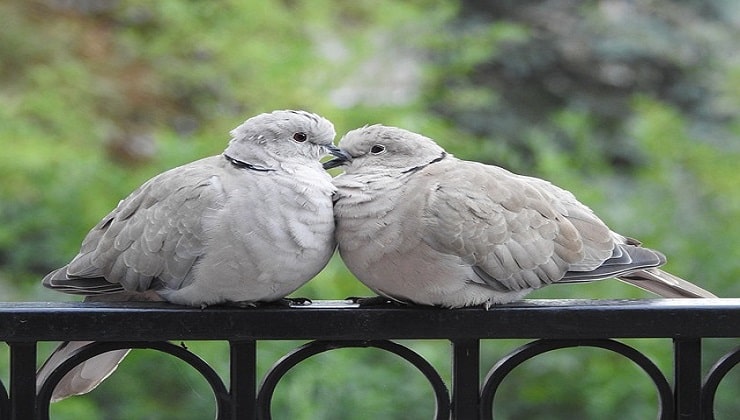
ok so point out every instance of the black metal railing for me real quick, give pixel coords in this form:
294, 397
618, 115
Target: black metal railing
329, 325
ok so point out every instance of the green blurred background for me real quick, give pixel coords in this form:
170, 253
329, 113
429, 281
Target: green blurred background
632, 105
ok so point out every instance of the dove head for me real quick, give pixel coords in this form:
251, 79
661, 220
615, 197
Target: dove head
381, 148
268, 139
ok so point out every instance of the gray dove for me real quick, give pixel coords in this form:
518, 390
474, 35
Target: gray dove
415, 224
252, 224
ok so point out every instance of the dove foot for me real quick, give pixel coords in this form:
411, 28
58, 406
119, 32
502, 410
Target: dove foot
366, 302
286, 302
239, 304
283, 303
296, 301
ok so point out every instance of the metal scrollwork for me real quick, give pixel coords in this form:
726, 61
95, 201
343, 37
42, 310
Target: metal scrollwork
713, 379
89, 351
496, 375
282, 366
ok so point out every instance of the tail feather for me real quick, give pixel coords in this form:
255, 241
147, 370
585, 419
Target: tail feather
61, 281
664, 284
84, 377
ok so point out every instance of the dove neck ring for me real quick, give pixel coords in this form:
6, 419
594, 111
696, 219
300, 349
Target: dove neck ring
420, 167
244, 165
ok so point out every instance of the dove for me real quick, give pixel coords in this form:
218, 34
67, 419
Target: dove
250, 225
417, 225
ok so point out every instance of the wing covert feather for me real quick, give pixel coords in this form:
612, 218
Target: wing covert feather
156, 232
517, 232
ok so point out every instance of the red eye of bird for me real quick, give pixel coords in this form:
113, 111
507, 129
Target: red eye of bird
300, 137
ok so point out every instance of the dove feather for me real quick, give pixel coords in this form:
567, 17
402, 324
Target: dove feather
416, 224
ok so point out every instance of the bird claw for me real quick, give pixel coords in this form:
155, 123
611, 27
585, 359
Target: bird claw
285, 302
239, 304
297, 301
366, 302
282, 303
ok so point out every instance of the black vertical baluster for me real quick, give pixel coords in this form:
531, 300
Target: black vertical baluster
687, 382
4, 403
465, 379
22, 381
243, 380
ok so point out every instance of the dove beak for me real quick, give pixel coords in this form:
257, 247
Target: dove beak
340, 157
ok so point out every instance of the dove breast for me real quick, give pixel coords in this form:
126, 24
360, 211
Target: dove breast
274, 232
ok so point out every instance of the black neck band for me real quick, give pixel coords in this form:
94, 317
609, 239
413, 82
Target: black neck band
416, 168
244, 165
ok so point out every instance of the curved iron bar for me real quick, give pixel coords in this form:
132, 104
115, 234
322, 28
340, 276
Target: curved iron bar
713, 379
282, 366
223, 399
520, 355
4, 402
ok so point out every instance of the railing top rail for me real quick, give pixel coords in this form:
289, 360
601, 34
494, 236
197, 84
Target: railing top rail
342, 320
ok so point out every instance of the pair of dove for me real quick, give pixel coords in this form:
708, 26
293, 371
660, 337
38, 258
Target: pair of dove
412, 222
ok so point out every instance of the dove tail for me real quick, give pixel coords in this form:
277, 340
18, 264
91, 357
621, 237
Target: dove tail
84, 377
664, 284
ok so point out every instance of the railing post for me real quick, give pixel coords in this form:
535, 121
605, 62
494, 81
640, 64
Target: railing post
22, 381
687, 381
465, 379
243, 379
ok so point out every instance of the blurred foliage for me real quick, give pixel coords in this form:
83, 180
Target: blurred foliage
633, 105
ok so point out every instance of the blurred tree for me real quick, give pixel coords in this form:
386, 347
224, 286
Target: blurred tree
587, 60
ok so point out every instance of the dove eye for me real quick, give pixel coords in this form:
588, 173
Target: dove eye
377, 149
300, 137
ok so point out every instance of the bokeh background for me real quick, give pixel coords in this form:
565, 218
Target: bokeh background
632, 105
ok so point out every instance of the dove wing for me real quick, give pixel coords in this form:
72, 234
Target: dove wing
515, 232
154, 235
